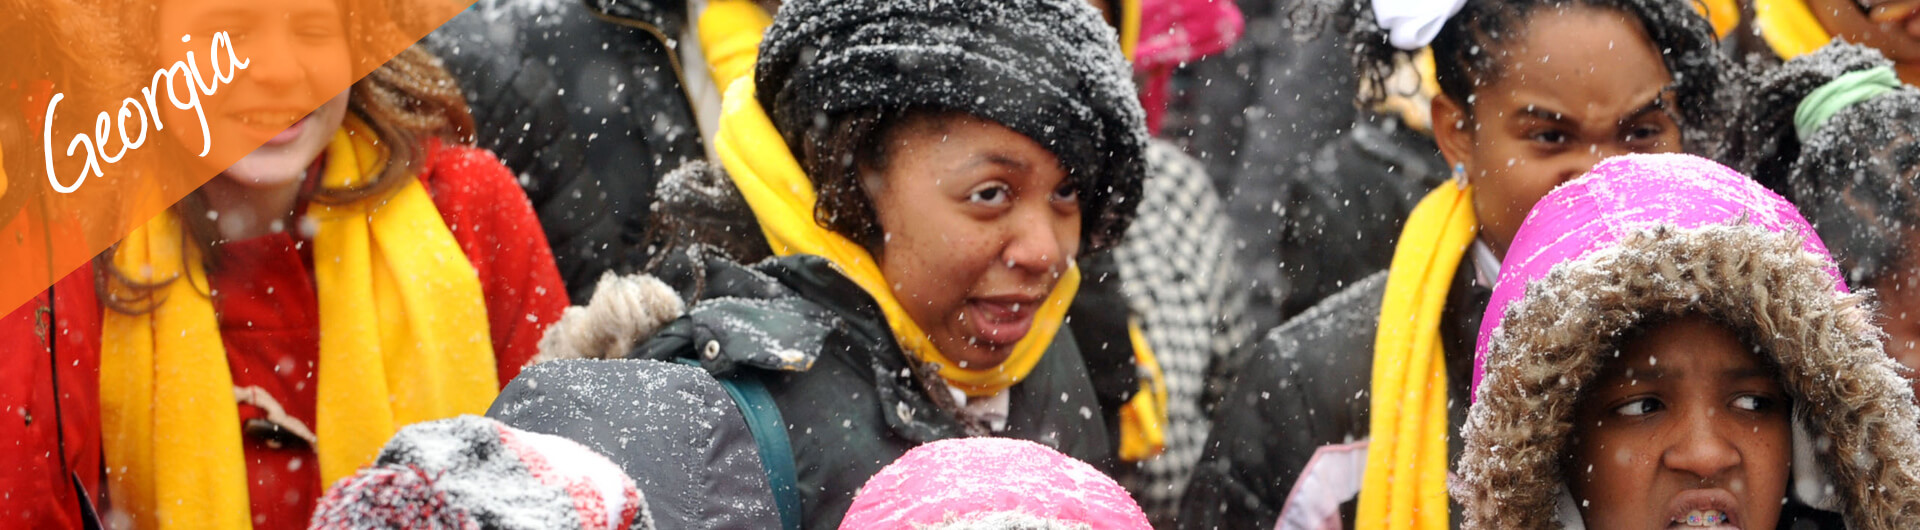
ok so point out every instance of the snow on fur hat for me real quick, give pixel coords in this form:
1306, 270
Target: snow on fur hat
991, 483
472, 472
1049, 69
1647, 236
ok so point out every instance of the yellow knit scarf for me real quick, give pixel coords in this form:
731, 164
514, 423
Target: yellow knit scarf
403, 339
1405, 484
1789, 27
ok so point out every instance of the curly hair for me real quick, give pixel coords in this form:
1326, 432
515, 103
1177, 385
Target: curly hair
1857, 177
1467, 54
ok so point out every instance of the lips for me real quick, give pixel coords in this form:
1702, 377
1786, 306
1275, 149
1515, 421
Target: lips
1904, 15
1703, 508
1001, 320
283, 124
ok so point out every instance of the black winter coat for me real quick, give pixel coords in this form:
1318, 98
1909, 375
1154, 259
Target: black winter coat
1308, 387
851, 402
585, 101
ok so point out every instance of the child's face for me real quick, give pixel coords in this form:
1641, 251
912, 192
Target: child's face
980, 223
1685, 429
1899, 294
1577, 86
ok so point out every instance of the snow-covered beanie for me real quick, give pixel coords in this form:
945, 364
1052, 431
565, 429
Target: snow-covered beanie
991, 483
1649, 236
1051, 70
472, 472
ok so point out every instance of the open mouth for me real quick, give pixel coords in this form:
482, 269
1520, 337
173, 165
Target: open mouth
1000, 322
1703, 519
1899, 14
1703, 508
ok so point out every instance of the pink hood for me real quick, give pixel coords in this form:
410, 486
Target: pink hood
965, 479
1625, 194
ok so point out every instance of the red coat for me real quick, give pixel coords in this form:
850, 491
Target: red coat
269, 322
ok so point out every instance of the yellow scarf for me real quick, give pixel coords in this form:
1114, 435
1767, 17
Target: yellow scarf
1789, 27
757, 159
1723, 14
730, 34
1405, 484
403, 339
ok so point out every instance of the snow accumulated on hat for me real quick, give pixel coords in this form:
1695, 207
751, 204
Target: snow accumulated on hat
1051, 70
997, 483
472, 472
1642, 237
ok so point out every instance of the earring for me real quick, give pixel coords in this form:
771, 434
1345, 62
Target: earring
1460, 176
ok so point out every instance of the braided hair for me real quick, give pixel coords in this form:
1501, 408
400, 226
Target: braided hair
1467, 50
1857, 177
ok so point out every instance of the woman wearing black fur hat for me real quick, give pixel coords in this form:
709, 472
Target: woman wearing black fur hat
925, 173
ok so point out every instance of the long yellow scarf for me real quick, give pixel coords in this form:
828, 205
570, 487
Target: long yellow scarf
1789, 27
757, 159
403, 339
1405, 484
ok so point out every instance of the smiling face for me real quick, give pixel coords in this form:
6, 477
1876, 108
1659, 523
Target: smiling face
299, 60
1578, 85
1687, 428
980, 223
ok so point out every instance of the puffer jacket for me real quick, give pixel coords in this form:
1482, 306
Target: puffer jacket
846, 391
1654, 236
585, 101
1289, 439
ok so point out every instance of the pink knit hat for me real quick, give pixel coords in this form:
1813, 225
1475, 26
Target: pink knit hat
962, 483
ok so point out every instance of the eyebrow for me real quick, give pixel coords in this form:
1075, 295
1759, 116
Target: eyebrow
1656, 373
996, 159
1657, 104
1534, 111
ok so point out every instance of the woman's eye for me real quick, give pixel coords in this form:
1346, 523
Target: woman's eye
1639, 407
1549, 137
1753, 403
1644, 133
1067, 194
989, 195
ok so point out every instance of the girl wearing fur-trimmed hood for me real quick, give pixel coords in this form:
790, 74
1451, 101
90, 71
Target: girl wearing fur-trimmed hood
1613, 262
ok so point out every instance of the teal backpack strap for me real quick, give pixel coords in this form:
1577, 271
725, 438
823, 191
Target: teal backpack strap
770, 435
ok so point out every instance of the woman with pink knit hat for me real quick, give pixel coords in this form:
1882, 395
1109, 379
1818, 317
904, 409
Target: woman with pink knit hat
991, 483
1670, 344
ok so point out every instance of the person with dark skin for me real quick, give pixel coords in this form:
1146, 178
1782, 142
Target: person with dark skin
1671, 346
1856, 173
1532, 95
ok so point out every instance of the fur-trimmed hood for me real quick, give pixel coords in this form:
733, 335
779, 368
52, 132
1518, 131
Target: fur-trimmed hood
1655, 235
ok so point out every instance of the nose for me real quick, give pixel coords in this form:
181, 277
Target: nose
1700, 450
1038, 243
1580, 165
276, 63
